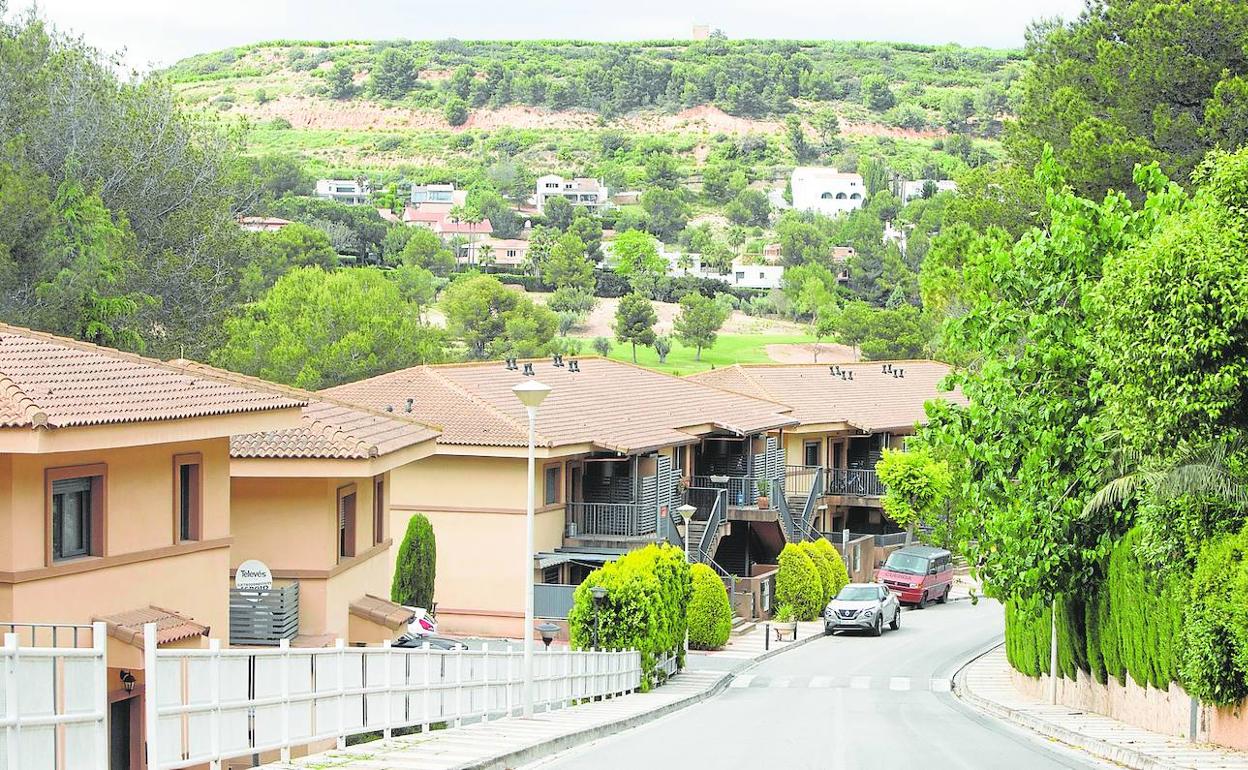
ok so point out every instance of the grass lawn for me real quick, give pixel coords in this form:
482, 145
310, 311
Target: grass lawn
729, 349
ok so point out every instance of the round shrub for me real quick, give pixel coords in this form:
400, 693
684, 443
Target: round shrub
822, 566
710, 615
416, 565
840, 575
645, 609
798, 584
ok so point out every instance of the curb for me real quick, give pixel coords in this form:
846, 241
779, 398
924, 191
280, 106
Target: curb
1094, 746
571, 740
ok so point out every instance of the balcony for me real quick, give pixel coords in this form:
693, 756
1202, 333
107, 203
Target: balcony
854, 482
610, 520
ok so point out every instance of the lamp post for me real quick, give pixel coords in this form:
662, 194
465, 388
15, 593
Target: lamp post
686, 512
548, 631
531, 393
599, 595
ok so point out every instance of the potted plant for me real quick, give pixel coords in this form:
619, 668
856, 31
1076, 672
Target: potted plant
784, 621
764, 502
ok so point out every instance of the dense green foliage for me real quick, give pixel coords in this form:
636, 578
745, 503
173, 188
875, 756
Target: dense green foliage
416, 565
710, 614
634, 322
798, 584
315, 329
915, 484
699, 321
839, 573
646, 608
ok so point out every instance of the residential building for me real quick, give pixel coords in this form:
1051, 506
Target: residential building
840, 258
262, 224
826, 190
771, 252
751, 276
389, 216
438, 193
351, 191
618, 449
328, 480
848, 414
427, 215
503, 252
911, 190
115, 498
579, 191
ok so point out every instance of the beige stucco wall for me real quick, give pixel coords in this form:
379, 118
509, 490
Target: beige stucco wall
476, 506
139, 494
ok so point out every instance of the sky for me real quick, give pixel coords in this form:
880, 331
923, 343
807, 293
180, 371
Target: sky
160, 32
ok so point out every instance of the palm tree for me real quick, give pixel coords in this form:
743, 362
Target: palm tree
485, 255
1194, 471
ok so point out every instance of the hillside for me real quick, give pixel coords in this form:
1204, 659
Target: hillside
439, 109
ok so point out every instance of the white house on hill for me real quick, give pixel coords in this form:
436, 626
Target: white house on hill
343, 190
826, 190
581, 191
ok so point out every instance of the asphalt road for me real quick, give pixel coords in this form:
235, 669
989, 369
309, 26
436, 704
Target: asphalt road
842, 702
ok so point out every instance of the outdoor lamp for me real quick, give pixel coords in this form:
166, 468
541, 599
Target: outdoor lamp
127, 681
599, 593
531, 393
548, 631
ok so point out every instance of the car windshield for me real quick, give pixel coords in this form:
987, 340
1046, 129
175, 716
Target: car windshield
900, 561
858, 594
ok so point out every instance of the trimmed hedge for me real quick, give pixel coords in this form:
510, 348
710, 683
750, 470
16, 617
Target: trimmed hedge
646, 606
840, 574
1215, 635
827, 578
1027, 636
416, 565
798, 584
710, 614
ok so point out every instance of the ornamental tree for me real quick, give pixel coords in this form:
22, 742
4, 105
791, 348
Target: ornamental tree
634, 322
416, 565
699, 321
915, 485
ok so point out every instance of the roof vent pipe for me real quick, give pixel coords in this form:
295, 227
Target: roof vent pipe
408, 406
511, 365
389, 407
574, 366
557, 359
528, 369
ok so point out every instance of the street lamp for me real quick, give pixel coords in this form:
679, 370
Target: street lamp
599, 595
686, 512
531, 393
548, 631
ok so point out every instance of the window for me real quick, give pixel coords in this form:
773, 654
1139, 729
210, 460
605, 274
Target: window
840, 196
188, 500
810, 453
379, 511
740, 275
827, 196
346, 522
75, 511
678, 459
552, 475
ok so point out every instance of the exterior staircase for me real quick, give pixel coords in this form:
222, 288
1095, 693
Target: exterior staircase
741, 626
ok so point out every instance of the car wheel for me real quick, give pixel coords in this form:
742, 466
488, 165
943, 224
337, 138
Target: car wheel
827, 630
944, 597
922, 604
896, 623
879, 627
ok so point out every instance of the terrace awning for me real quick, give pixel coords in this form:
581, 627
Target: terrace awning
559, 556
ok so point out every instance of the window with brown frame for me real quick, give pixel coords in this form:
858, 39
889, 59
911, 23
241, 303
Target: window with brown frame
810, 450
346, 522
553, 477
379, 510
75, 512
188, 497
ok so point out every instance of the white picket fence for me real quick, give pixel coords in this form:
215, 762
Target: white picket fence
54, 704
209, 705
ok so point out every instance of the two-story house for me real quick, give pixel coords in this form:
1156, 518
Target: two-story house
349, 191
826, 190
619, 450
584, 192
115, 500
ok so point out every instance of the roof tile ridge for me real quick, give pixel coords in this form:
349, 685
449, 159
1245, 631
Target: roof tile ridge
754, 381
452, 385
28, 406
769, 400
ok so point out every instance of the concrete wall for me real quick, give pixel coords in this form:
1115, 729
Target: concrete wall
1162, 711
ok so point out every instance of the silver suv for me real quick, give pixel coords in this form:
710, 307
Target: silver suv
863, 607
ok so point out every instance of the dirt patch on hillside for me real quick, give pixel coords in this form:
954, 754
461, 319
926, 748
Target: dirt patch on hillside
879, 129
812, 353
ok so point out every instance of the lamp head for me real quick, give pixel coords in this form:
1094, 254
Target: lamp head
531, 393
598, 593
548, 631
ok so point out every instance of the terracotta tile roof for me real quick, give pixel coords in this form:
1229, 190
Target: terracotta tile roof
313, 641
127, 626
57, 382
381, 611
873, 401
331, 429
613, 405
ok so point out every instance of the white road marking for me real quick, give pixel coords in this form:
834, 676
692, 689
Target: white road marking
742, 681
821, 681
899, 683
860, 683
939, 685
780, 681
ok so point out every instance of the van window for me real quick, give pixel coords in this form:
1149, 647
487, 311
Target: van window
908, 563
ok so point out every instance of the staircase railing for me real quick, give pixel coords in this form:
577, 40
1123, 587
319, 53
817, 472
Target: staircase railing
791, 531
719, 511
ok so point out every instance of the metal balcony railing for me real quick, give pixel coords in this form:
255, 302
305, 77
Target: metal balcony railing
611, 519
851, 481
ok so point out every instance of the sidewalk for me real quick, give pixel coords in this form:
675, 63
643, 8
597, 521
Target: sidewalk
511, 742
985, 684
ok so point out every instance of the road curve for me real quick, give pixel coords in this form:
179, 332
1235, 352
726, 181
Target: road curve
842, 702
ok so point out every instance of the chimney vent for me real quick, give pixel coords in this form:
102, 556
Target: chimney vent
574, 366
389, 407
409, 405
558, 359
528, 369
511, 365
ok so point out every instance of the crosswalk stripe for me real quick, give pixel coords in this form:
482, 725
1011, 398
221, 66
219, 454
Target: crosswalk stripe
743, 680
821, 681
899, 683
780, 681
939, 685
860, 683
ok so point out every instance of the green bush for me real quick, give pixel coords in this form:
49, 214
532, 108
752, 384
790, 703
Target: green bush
416, 565
1027, 636
710, 614
798, 584
1215, 632
645, 609
827, 578
840, 574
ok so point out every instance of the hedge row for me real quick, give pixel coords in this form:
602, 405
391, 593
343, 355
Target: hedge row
645, 608
1156, 627
710, 613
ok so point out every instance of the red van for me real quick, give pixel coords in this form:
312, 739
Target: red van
918, 574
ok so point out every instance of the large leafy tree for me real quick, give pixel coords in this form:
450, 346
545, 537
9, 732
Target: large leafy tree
315, 329
1030, 442
699, 322
275, 253
568, 267
493, 320
634, 322
1133, 81
915, 487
